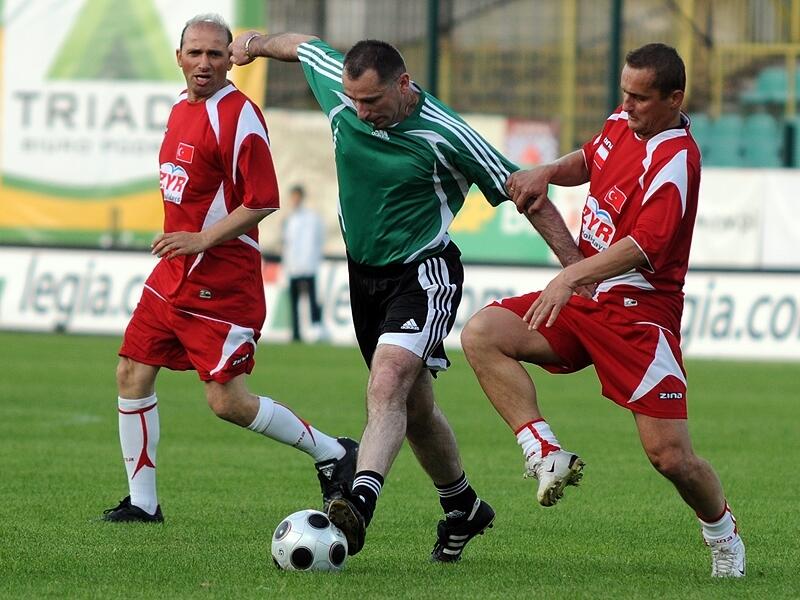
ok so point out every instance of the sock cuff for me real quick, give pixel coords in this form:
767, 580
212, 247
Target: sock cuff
454, 488
529, 424
130, 406
718, 520
371, 480
266, 410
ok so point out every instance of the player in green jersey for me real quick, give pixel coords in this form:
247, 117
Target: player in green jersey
404, 163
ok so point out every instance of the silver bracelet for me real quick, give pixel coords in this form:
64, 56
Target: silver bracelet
247, 45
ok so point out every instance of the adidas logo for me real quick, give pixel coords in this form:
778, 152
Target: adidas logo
411, 325
327, 471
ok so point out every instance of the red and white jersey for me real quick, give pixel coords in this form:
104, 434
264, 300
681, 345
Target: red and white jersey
645, 190
214, 158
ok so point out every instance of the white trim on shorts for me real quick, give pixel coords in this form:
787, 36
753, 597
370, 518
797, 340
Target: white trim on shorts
434, 278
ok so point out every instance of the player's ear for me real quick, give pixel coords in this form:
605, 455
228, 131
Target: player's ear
178, 57
404, 81
676, 99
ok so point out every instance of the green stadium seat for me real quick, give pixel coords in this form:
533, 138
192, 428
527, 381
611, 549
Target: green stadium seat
701, 132
725, 149
762, 141
770, 87
795, 141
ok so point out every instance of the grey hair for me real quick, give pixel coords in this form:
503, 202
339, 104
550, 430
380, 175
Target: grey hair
210, 18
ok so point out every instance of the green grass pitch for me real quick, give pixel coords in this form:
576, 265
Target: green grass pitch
623, 534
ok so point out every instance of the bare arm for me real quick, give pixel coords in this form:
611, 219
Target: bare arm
550, 225
528, 189
178, 243
617, 259
280, 46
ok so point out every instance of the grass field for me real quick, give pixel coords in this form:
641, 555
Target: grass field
623, 534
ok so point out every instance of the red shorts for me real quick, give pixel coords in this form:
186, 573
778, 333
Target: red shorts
163, 336
639, 364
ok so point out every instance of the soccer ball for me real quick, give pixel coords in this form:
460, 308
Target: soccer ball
308, 541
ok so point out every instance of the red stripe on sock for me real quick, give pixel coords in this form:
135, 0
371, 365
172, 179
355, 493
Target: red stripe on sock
144, 459
528, 424
547, 447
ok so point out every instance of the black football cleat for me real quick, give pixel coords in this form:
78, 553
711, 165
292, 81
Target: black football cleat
336, 475
344, 514
454, 533
126, 512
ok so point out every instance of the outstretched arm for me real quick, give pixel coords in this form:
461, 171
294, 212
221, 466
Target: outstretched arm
528, 189
281, 46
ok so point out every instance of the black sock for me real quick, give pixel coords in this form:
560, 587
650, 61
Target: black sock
457, 497
366, 489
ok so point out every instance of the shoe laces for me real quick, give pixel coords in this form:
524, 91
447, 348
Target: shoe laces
724, 558
532, 467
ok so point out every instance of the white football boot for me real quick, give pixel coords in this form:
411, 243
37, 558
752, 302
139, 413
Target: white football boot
727, 560
555, 471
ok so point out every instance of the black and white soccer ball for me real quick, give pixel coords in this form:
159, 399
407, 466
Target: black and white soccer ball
308, 541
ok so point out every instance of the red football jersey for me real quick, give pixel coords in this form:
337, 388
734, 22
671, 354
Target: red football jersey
646, 190
214, 158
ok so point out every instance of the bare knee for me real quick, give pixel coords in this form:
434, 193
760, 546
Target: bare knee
221, 402
134, 379
477, 334
673, 462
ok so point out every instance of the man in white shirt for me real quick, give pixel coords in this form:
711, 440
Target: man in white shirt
303, 236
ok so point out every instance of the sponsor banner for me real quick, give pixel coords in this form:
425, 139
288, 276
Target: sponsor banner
84, 115
730, 211
728, 315
780, 239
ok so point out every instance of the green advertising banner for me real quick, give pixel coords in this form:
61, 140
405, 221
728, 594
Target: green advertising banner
84, 114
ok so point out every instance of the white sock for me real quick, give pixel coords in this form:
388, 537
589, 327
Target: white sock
721, 531
536, 439
276, 421
138, 437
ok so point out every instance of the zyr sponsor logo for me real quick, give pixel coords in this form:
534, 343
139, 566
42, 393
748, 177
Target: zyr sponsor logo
598, 226
174, 179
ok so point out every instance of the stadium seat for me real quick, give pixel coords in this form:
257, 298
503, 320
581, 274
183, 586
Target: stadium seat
725, 148
795, 141
762, 141
701, 132
770, 87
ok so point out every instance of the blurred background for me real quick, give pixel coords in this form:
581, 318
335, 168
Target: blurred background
83, 116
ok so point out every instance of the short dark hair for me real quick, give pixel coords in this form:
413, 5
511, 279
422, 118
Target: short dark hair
210, 19
666, 64
384, 58
298, 189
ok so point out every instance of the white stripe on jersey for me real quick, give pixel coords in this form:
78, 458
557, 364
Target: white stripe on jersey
477, 147
212, 109
676, 171
653, 143
328, 61
181, 98
248, 124
433, 139
632, 278
446, 215
323, 68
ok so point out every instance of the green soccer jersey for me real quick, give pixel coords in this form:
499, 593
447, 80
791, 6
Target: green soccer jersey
400, 187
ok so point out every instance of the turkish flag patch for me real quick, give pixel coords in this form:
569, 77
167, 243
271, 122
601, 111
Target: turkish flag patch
616, 198
185, 153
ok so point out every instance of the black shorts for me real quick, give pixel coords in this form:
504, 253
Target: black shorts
410, 305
